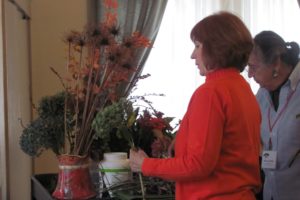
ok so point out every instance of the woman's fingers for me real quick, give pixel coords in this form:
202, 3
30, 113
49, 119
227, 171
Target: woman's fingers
136, 159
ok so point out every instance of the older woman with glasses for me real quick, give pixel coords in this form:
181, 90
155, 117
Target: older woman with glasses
274, 65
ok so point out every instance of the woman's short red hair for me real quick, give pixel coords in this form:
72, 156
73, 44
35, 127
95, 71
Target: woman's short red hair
226, 41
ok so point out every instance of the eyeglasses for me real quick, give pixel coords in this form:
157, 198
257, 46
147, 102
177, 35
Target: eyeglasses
252, 69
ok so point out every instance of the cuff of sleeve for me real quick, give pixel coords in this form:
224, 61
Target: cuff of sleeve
146, 166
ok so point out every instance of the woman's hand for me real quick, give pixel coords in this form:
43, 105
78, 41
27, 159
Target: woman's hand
136, 159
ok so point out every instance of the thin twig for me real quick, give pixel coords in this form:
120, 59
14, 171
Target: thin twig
59, 77
142, 185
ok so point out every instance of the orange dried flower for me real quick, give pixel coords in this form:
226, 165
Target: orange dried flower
140, 40
98, 64
111, 4
111, 18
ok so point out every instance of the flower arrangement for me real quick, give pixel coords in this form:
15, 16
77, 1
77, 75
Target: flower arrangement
126, 124
159, 130
99, 66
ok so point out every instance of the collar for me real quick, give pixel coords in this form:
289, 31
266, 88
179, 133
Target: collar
221, 73
295, 76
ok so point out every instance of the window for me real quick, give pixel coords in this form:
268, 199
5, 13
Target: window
174, 73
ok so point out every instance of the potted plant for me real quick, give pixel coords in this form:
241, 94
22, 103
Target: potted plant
99, 63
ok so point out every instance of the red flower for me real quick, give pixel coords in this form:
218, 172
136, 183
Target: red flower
157, 123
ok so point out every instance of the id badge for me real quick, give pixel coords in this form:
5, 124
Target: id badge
269, 159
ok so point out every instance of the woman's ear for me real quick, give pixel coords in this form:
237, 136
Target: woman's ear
276, 68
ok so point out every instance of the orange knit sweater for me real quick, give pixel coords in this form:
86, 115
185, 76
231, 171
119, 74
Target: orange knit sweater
217, 145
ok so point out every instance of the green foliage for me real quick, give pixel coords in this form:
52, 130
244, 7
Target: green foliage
47, 131
112, 126
122, 125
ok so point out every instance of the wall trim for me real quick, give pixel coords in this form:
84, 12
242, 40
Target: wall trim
3, 108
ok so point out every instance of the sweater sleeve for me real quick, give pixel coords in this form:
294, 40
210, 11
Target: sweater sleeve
201, 131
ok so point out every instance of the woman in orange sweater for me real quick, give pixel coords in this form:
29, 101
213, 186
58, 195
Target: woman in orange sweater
217, 145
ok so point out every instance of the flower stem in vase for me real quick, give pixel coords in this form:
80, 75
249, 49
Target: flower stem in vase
142, 185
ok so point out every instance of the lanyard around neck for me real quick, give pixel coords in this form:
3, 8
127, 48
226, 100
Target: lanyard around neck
271, 125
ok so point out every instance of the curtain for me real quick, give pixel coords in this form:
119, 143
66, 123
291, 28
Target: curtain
138, 15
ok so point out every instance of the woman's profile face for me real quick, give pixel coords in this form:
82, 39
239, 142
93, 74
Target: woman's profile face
197, 55
261, 73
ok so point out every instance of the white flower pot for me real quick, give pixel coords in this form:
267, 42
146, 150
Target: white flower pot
115, 169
